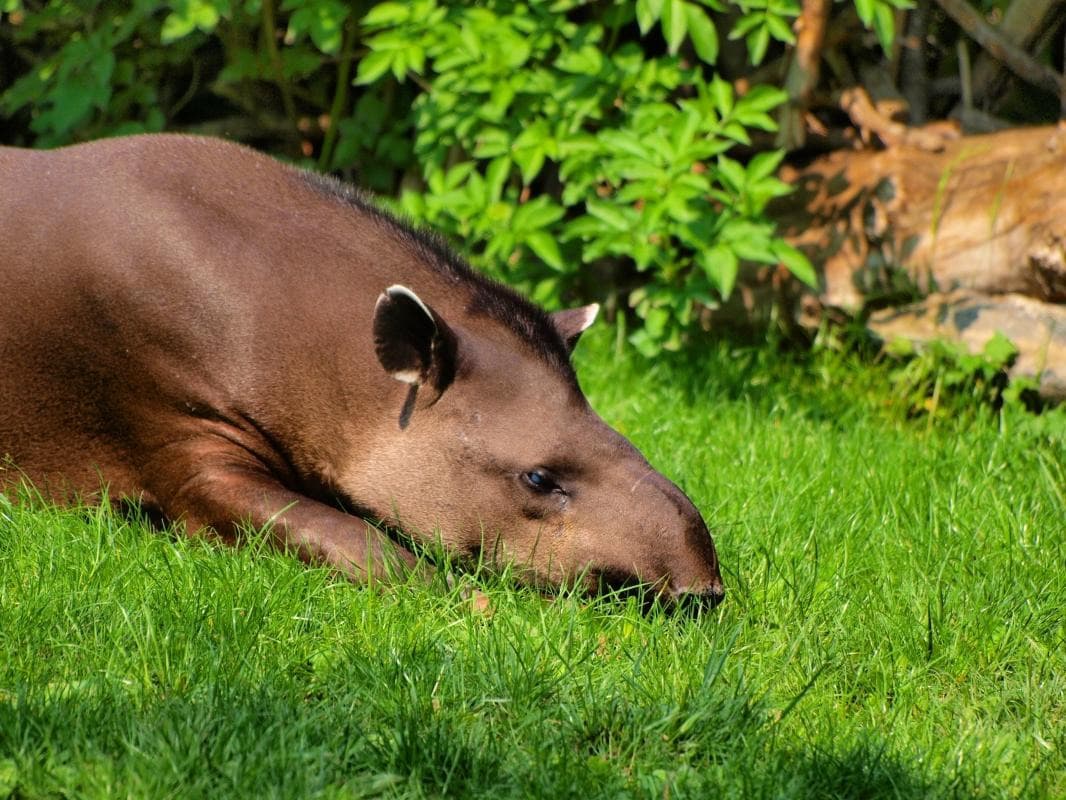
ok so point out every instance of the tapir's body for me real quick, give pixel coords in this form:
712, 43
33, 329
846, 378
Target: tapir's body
192, 324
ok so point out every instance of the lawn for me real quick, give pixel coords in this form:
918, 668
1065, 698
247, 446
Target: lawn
895, 626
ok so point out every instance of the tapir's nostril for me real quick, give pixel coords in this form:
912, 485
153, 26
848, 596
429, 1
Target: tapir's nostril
706, 599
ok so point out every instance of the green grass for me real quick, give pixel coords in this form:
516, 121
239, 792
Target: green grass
895, 627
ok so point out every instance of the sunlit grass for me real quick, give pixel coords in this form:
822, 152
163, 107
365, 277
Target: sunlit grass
895, 626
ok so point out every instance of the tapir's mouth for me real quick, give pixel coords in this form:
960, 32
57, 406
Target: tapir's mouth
699, 601
623, 586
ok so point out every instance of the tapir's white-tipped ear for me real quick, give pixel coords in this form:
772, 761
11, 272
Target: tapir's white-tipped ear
572, 322
412, 343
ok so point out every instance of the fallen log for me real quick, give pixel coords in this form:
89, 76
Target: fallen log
986, 213
979, 224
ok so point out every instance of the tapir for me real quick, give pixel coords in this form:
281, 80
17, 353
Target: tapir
231, 341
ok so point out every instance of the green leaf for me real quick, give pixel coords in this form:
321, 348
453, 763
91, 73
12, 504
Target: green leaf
1000, 350
758, 41
544, 245
627, 142
491, 142
546, 291
758, 248
764, 164
417, 58
175, 27
536, 214
187, 16
780, 29
648, 11
372, 67
384, 14
500, 99
736, 132
655, 319
865, 10
796, 262
645, 343
586, 61
722, 95
763, 98
324, 21
496, 176
583, 228
609, 213
635, 169
530, 160
299, 62
731, 173
745, 25
720, 265
458, 174
885, 25
703, 34
675, 24
755, 119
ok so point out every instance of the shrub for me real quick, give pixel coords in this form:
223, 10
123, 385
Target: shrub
568, 159
579, 150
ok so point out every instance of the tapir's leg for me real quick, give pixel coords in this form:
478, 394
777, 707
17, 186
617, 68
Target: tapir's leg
222, 493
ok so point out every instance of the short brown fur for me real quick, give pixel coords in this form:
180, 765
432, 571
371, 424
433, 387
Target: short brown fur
191, 324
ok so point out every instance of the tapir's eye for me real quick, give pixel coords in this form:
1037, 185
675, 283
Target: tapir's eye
539, 481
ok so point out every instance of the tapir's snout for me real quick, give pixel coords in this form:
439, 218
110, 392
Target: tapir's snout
664, 546
701, 599
691, 566
703, 591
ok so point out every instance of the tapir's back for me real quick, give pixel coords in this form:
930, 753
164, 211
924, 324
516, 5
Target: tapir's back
147, 279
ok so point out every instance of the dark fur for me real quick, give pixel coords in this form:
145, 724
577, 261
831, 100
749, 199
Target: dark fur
488, 297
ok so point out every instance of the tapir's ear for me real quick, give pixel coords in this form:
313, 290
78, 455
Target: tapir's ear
413, 344
572, 322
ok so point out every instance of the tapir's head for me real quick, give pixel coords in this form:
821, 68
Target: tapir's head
496, 451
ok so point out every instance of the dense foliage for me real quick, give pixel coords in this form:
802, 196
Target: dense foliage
605, 150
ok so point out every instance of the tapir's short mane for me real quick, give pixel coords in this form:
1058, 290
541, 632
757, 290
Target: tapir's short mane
487, 297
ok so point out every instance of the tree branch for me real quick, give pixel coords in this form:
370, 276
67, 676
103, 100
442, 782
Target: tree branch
802, 74
857, 104
269, 34
340, 92
1003, 50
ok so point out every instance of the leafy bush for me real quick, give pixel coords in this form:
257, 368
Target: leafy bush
546, 142
943, 377
580, 150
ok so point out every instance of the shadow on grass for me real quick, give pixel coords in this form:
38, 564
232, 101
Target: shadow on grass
866, 770
254, 741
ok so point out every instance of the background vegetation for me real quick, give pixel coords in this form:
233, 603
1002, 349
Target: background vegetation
580, 150
615, 151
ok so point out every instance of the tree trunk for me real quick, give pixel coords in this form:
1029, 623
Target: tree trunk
985, 213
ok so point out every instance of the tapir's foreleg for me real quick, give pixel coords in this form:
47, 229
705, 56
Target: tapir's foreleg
225, 493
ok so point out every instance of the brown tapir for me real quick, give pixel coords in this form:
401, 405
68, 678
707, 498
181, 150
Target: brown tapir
235, 341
